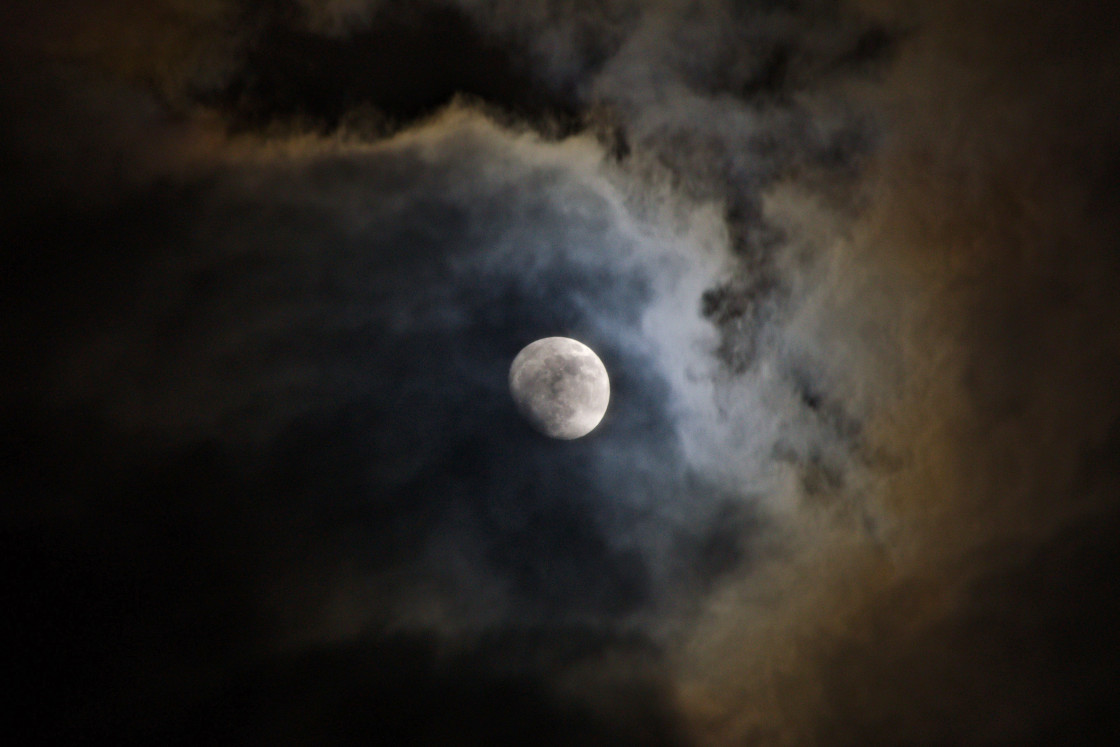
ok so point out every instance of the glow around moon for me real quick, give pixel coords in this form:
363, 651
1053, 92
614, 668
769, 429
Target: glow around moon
560, 386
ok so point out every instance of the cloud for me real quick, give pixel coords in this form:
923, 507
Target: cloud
850, 270
959, 319
302, 359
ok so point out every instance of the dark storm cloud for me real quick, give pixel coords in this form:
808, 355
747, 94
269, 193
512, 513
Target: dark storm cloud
850, 270
383, 75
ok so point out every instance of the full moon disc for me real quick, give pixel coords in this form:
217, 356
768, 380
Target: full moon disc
560, 386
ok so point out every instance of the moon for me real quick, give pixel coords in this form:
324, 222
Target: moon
560, 386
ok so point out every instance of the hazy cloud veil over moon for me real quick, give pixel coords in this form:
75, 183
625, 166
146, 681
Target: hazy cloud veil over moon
852, 265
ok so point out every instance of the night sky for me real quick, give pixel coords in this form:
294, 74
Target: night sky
853, 268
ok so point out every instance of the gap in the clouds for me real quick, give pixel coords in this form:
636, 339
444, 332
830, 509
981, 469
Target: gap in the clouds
409, 61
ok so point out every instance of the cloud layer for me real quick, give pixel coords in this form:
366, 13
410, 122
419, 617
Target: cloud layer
850, 269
